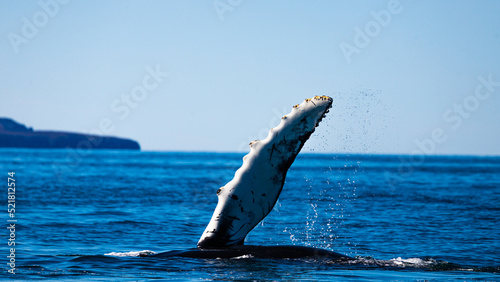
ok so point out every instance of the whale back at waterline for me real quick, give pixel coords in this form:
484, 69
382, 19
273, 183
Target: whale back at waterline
256, 186
266, 252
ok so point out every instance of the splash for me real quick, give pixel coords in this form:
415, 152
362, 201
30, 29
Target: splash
244, 257
412, 263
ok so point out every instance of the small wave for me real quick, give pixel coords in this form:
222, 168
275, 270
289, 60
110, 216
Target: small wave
426, 263
244, 257
429, 264
143, 253
412, 262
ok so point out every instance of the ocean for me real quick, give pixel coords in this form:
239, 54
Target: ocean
87, 215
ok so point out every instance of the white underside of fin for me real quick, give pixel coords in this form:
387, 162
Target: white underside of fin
257, 184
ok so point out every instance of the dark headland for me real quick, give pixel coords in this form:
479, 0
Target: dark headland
16, 135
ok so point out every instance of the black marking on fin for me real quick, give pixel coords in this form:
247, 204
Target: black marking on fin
219, 190
272, 150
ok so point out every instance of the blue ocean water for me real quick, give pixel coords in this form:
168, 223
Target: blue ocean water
86, 215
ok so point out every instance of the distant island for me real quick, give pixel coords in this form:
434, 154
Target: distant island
16, 135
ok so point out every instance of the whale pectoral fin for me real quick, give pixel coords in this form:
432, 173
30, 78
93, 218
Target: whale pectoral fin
257, 184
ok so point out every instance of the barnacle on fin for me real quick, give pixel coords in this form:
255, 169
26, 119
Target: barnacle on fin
323, 98
220, 190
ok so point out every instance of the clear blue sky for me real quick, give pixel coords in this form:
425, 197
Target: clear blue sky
409, 73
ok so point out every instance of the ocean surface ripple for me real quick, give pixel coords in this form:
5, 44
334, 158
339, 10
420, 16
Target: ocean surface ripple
96, 216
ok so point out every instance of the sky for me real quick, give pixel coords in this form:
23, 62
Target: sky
406, 77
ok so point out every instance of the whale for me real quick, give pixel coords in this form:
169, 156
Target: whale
249, 197
254, 190
258, 252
